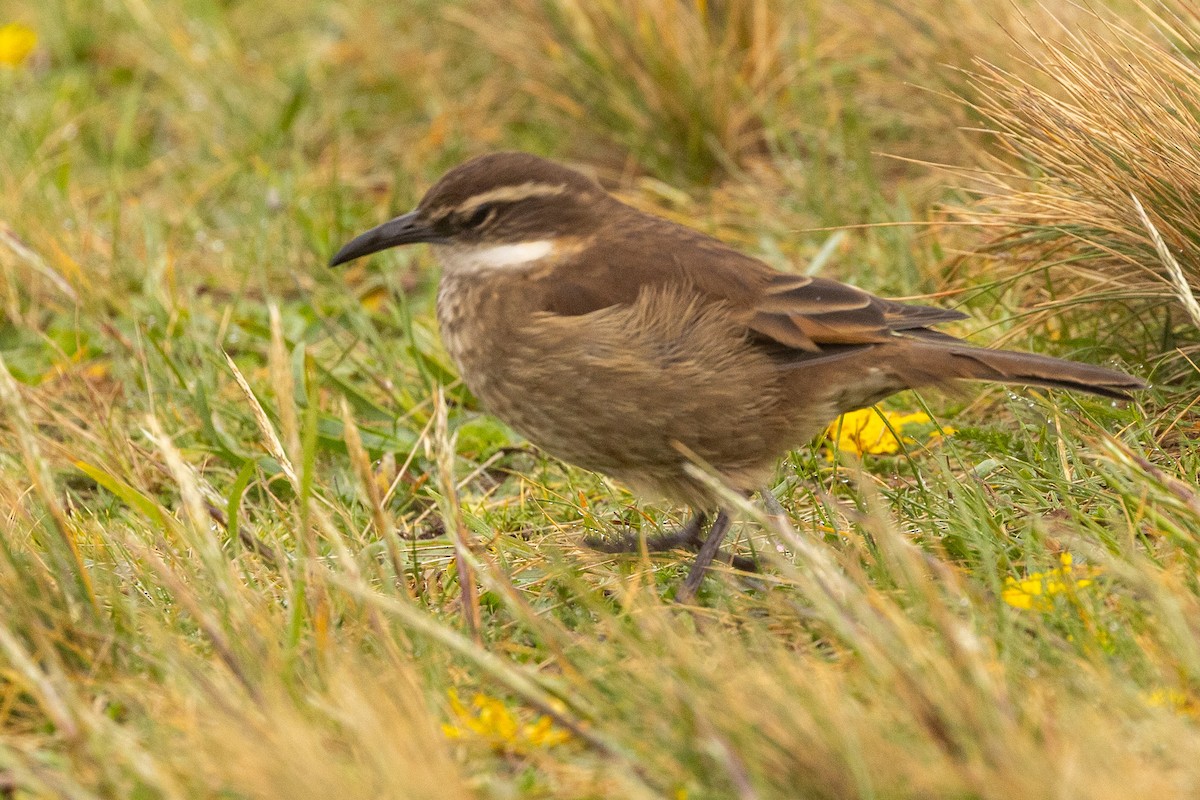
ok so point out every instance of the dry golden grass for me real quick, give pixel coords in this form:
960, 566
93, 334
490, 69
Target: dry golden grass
1098, 169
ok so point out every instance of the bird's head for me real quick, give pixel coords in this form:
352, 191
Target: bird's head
497, 206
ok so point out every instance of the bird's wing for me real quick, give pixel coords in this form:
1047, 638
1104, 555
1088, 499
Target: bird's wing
797, 312
806, 313
643, 252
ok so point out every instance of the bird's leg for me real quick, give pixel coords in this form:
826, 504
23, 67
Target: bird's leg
708, 551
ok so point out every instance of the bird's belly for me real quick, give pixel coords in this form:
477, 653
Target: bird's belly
629, 390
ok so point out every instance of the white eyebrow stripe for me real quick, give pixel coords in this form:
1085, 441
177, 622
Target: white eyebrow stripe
511, 194
498, 256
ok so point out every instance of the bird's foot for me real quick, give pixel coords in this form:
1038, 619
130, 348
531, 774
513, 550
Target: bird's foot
686, 538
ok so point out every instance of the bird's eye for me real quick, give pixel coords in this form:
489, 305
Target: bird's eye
479, 216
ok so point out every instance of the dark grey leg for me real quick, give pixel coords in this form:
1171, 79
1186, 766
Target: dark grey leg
708, 551
686, 538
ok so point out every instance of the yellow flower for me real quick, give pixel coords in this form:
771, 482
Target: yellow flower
867, 430
374, 299
1035, 591
542, 733
16, 43
493, 722
1172, 699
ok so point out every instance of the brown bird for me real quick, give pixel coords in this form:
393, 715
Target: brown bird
627, 344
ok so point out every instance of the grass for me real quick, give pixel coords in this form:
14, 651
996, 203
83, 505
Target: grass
259, 542
1092, 182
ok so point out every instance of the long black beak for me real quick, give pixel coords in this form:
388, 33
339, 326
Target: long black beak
407, 229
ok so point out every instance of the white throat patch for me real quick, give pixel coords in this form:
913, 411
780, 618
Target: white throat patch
480, 258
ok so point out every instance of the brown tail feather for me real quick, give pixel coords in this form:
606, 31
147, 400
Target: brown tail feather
1029, 368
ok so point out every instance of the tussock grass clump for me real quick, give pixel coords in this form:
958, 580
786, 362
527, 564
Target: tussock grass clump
699, 90
1105, 139
689, 87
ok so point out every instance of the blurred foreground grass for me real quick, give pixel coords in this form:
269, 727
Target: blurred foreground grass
234, 482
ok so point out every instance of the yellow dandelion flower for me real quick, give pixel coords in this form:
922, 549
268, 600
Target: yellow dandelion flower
374, 299
873, 431
542, 732
98, 370
1172, 699
16, 43
489, 720
1035, 590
